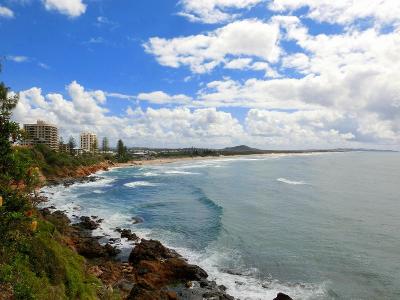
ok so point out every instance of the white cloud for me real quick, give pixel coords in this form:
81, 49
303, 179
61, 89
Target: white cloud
238, 63
203, 127
160, 97
203, 52
86, 110
5, 12
310, 129
213, 11
71, 8
343, 11
18, 58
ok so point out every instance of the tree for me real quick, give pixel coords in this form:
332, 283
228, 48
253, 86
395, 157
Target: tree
94, 146
71, 144
104, 144
17, 177
122, 153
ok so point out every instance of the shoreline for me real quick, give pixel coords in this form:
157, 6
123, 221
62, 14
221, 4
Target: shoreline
161, 161
203, 285
150, 270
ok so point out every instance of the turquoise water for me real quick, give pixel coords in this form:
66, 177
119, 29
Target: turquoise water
314, 226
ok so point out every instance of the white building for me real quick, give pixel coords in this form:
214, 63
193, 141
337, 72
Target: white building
89, 142
41, 133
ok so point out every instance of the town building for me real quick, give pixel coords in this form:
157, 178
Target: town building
89, 142
41, 133
65, 148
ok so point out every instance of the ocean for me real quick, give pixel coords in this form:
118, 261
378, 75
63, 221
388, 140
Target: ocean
314, 226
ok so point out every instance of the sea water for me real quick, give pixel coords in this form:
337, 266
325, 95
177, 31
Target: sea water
319, 226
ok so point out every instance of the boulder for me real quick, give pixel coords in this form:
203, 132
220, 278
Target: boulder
111, 250
151, 250
90, 248
282, 296
88, 223
128, 234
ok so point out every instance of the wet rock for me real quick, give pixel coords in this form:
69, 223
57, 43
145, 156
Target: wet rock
161, 272
282, 296
87, 223
114, 240
136, 220
151, 250
128, 234
111, 250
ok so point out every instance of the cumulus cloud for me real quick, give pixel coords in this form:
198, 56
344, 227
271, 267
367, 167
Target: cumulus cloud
213, 11
203, 127
160, 97
343, 11
316, 128
203, 52
87, 110
70, 8
5, 12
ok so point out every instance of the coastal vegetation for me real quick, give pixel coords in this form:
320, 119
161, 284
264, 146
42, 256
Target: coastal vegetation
34, 261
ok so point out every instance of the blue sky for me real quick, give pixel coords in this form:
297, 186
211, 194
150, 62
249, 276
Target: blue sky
272, 74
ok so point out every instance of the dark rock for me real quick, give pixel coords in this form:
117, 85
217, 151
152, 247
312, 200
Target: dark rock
128, 234
87, 223
161, 273
111, 250
282, 296
114, 240
151, 250
231, 272
90, 248
136, 220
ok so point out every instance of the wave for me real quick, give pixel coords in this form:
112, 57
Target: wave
175, 172
136, 184
287, 181
243, 283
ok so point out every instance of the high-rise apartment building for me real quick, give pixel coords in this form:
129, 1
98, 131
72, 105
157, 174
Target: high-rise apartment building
89, 142
41, 133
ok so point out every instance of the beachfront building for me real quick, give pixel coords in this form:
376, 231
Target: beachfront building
41, 133
89, 142
66, 148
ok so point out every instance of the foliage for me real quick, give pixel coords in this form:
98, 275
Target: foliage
122, 152
105, 145
53, 163
34, 263
71, 144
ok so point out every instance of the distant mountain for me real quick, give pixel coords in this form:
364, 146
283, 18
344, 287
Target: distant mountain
241, 148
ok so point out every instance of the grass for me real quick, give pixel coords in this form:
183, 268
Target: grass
41, 267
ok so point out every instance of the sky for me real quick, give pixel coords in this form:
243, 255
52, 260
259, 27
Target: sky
272, 74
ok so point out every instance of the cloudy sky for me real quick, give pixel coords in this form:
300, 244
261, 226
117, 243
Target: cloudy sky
211, 73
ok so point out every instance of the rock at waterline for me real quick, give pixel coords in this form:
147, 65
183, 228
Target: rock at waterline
128, 234
87, 223
282, 296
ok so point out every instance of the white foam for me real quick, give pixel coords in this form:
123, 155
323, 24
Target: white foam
287, 181
176, 172
98, 191
102, 182
136, 184
150, 174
